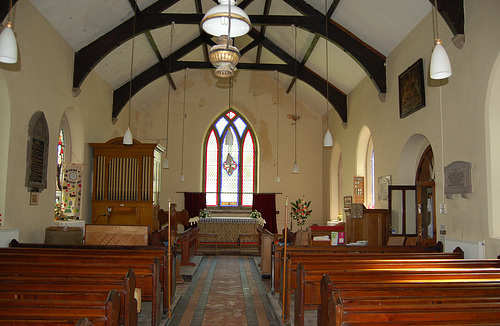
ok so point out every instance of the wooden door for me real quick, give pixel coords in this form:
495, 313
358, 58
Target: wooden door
426, 202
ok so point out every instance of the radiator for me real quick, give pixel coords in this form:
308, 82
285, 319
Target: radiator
471, 249
6, 236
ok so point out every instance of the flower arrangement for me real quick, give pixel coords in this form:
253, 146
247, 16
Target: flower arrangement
204, 213
301, 211
256, 214
59, 214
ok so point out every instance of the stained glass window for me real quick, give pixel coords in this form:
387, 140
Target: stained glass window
230, 166
60, 159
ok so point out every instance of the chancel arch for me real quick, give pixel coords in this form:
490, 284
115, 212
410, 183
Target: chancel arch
230, 162
492, 134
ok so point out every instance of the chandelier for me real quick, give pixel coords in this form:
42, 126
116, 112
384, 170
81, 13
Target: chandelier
224, 57
225, 20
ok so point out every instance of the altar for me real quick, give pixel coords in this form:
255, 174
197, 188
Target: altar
228, 228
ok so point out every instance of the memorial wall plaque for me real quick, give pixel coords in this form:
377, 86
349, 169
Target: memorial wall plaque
458, 179
37, 153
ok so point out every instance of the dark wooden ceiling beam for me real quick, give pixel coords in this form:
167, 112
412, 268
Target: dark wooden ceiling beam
453, 13
199, 10
315, 40
267, 8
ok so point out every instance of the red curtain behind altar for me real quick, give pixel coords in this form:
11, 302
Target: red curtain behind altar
266, 205
193, 202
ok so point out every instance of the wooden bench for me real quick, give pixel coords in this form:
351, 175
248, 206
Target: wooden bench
308, 292
147, 276
327, 259
77, 288
129, 252
189, 241
59, 312
320, 250
400, 291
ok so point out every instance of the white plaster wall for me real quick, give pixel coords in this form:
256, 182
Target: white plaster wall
255, 98
42, 80
462, 126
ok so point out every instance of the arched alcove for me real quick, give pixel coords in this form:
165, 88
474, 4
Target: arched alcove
410, 157
492, 134
335, 181
4, 143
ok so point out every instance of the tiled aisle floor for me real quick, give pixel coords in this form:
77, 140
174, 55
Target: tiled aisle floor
225, 290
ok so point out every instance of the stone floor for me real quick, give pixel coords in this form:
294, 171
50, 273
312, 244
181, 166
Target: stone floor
224, 290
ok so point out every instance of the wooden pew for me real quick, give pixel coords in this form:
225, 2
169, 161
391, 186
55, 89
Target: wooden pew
147, 277
308, 294
59, 312
321, 250
130, 252
399, 291
328, 258
189, 245
78, 288
266, 240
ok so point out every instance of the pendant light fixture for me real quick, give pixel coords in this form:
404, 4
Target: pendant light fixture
295, 164
216, 20
127, 138
8, 44
224, 21
181, 178
328, 140
440, 67
277, 178
166, 165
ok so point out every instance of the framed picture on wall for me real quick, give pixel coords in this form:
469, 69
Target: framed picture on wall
347, 201
34, 198
411, 89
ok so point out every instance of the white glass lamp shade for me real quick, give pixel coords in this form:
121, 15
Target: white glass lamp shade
440, 63
166, 165
295, 168
328, 141
181, 178
8, 45
277, 178
127, 138
216, 22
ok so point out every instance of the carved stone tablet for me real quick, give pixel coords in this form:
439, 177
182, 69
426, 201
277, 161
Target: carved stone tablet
458, 179
37, 155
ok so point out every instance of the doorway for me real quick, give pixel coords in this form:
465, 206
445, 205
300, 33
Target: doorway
412, 207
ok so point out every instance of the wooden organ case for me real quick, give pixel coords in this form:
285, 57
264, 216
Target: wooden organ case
126, 183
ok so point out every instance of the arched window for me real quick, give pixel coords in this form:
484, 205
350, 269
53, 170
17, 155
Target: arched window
230, 162
60, 160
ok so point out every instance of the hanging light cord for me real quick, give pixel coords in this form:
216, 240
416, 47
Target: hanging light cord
277, 120
435, 26
131, 70
10, 15
183, 120
172, 33
327, 59
294, 31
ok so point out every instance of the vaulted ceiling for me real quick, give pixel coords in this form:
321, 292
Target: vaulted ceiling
168, 39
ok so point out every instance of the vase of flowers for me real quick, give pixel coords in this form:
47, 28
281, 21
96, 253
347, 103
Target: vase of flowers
257, 215
204, 213
301, 211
